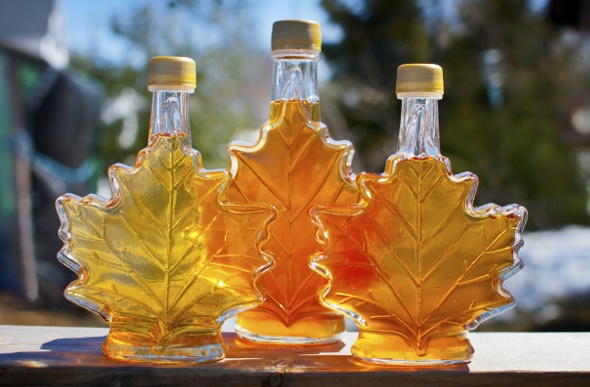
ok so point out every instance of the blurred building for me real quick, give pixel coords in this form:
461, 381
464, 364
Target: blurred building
48, 120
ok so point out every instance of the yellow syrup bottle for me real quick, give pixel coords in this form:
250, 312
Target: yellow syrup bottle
163, 261
415, 263
294, 165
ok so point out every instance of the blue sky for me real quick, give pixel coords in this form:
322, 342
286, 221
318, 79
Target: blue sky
87, 22
88, 29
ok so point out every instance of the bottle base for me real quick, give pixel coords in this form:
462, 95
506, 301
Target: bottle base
262, 327
283, 340
194, 349
411, 362
392, 349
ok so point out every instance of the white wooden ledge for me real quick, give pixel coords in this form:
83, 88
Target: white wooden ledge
72, 356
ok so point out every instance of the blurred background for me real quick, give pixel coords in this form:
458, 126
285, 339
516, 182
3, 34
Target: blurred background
516, 112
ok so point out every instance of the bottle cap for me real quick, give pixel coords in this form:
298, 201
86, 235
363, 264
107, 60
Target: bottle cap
297, 35
172, 72
420, 78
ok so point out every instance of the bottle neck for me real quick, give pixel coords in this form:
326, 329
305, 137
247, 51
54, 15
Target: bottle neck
419, 131
295, 74
170, 114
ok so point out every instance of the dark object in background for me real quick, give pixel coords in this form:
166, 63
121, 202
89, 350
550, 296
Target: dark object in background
573, 315
62, 122
47, 136
570, 13
48, 121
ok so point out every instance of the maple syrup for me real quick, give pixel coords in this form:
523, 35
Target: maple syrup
294, 165
154, 261
414, 263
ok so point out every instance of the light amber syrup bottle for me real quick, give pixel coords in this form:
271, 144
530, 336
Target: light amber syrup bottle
163, 261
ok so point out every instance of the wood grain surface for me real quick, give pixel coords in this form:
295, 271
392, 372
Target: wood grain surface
33, 355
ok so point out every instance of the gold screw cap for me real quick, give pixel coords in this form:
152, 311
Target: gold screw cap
296, 35
172, 72
417, 78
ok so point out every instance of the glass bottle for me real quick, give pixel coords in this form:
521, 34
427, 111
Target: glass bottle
294, 165
154, 261
415, 263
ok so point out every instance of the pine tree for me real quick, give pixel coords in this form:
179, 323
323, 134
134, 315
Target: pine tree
505, 125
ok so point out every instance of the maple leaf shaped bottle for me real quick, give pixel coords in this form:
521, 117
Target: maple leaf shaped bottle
415, 264
164, 262
294, 165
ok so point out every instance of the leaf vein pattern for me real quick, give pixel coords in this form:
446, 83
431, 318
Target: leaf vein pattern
298, 291
140, 280
460, 279
141, 207
196, 203
315, 193
369, 257
139, 238
262, 182
392, 208
391, 247
447, 253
